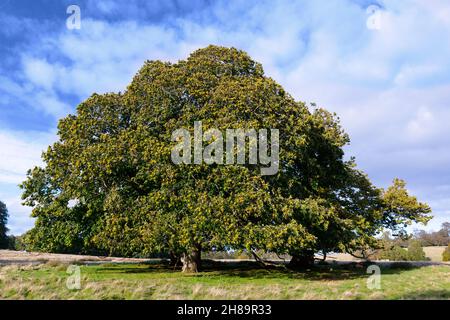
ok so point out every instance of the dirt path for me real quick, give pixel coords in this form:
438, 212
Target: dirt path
22, 257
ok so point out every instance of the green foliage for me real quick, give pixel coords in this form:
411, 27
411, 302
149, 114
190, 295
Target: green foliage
415, 251
3, 229
394, 252
446, 254
401, 208
112, 164
16, 243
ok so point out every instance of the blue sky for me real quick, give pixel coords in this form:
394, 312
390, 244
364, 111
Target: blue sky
386, 73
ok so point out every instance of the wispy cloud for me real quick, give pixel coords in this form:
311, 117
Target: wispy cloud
20, 151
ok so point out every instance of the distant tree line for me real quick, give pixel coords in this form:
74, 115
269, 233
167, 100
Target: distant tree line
436, 238
425, 238
10, 242
411, 248
394, 252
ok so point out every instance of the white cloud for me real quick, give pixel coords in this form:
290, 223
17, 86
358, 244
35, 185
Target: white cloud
50, 103
21, 151
19, 216
102, 58
42, 99
39, 72
422, 125
413, 74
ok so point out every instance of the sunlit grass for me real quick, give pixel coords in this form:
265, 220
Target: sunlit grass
232, 281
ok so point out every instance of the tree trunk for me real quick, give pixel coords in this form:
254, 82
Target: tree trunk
175, 259
191, 261
302, 259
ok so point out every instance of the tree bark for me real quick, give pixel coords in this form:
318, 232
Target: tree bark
191, 261
302, 259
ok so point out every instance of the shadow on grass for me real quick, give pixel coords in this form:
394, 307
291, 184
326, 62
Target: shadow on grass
252, 270
427, 295
147, 267
319, 272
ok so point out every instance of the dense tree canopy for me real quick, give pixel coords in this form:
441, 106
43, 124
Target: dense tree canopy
109, 184
4, 240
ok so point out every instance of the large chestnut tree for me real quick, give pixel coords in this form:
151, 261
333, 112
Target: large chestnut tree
109, 184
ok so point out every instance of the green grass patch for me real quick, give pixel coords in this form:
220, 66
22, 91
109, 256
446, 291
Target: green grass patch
222, 281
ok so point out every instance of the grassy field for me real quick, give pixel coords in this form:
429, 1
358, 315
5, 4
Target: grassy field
225, 281
434, 253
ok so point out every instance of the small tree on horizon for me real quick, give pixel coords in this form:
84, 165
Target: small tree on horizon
415, 251
4, 239
446, 254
